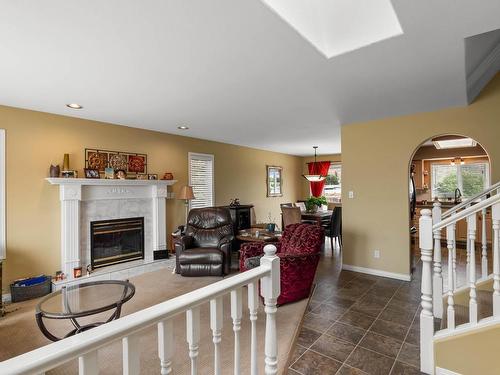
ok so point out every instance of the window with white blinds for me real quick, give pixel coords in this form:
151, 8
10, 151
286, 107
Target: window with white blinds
201, 178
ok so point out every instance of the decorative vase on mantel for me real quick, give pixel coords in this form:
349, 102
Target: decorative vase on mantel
66, 162
54, 171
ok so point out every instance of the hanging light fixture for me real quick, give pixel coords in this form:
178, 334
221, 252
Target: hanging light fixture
314, 176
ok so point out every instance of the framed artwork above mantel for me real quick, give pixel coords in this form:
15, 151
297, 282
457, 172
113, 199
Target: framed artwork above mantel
274, 181
131, 163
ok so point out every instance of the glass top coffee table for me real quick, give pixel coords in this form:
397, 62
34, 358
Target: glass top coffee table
83, 300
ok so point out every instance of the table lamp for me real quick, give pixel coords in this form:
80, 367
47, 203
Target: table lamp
186, 194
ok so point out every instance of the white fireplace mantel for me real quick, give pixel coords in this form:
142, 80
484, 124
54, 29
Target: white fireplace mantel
74, 191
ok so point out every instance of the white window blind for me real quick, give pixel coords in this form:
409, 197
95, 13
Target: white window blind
201, 178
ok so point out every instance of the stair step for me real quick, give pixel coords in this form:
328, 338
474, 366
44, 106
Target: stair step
484, 309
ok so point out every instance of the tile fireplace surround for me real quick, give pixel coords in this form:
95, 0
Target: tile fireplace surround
85, 200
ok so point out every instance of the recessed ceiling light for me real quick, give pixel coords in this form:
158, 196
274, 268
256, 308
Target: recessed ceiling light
454, 143
183, 127
74, 106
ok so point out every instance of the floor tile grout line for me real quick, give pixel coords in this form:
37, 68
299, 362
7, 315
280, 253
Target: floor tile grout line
335, 321
404, 341
368, 330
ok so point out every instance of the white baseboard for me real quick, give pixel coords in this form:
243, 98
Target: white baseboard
443, 371
375, 272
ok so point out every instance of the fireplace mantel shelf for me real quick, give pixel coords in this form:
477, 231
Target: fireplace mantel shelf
107, 182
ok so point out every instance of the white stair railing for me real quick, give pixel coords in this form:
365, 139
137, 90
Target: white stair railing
431, 225
128, 329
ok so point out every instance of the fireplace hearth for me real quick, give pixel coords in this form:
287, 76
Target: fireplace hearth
116, 241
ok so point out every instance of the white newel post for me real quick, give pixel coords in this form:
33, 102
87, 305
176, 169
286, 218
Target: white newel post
270, 290
426, 316
471, 239
159, 219
495, 215
70, 196
437, 280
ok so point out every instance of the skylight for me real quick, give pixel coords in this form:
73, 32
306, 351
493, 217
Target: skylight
454, 143
335, 27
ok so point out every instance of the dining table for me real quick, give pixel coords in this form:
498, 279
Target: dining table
319, 217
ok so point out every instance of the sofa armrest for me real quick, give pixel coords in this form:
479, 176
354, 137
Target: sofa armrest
254, 249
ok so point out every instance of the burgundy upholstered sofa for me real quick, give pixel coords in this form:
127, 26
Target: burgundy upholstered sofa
299, 251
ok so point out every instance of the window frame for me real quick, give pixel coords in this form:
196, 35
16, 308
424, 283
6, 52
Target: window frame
334, 164
458, 167
201, 156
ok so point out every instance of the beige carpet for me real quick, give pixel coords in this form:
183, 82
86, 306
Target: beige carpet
19, 332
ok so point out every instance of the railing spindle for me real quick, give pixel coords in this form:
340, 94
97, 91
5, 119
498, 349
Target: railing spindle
131, 364
471, 231
193, 336
437, 284
484, 246
216, 326
87, 364
450, 239
495, 214
270, 290
426, 315
236, 313
454, 257
253, 306
165, 346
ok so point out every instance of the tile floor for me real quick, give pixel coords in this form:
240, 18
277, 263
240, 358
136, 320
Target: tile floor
358, 324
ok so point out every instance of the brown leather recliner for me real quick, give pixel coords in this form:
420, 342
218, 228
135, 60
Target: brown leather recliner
205, 248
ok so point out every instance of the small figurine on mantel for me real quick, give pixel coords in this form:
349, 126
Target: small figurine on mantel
168, 176
234, 202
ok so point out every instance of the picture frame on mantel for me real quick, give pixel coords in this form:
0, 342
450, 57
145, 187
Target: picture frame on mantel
274, 181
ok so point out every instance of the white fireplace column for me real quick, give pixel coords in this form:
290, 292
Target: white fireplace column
70, 196
159, 194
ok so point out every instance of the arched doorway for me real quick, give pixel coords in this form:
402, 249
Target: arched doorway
446, 168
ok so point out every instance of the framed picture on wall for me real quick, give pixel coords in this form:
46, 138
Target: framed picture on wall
274, 181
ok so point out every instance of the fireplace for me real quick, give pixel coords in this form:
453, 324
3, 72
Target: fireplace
116, 241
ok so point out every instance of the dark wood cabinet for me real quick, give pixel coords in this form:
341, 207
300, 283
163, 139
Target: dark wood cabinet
241, 216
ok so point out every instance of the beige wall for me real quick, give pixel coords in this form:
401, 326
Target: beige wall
35, 140
470, 354
334, 158
375, 166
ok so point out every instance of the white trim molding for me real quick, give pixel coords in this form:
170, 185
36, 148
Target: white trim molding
375, 272
443, 371
3, 243
482, 75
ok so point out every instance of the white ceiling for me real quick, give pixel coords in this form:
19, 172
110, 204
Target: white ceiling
233, 71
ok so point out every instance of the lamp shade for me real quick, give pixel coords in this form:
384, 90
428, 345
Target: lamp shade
186, 193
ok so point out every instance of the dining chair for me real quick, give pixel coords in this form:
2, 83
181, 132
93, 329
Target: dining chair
334, 231
301, 205
291, 215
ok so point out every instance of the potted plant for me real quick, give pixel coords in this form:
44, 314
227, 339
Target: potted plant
313, 203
